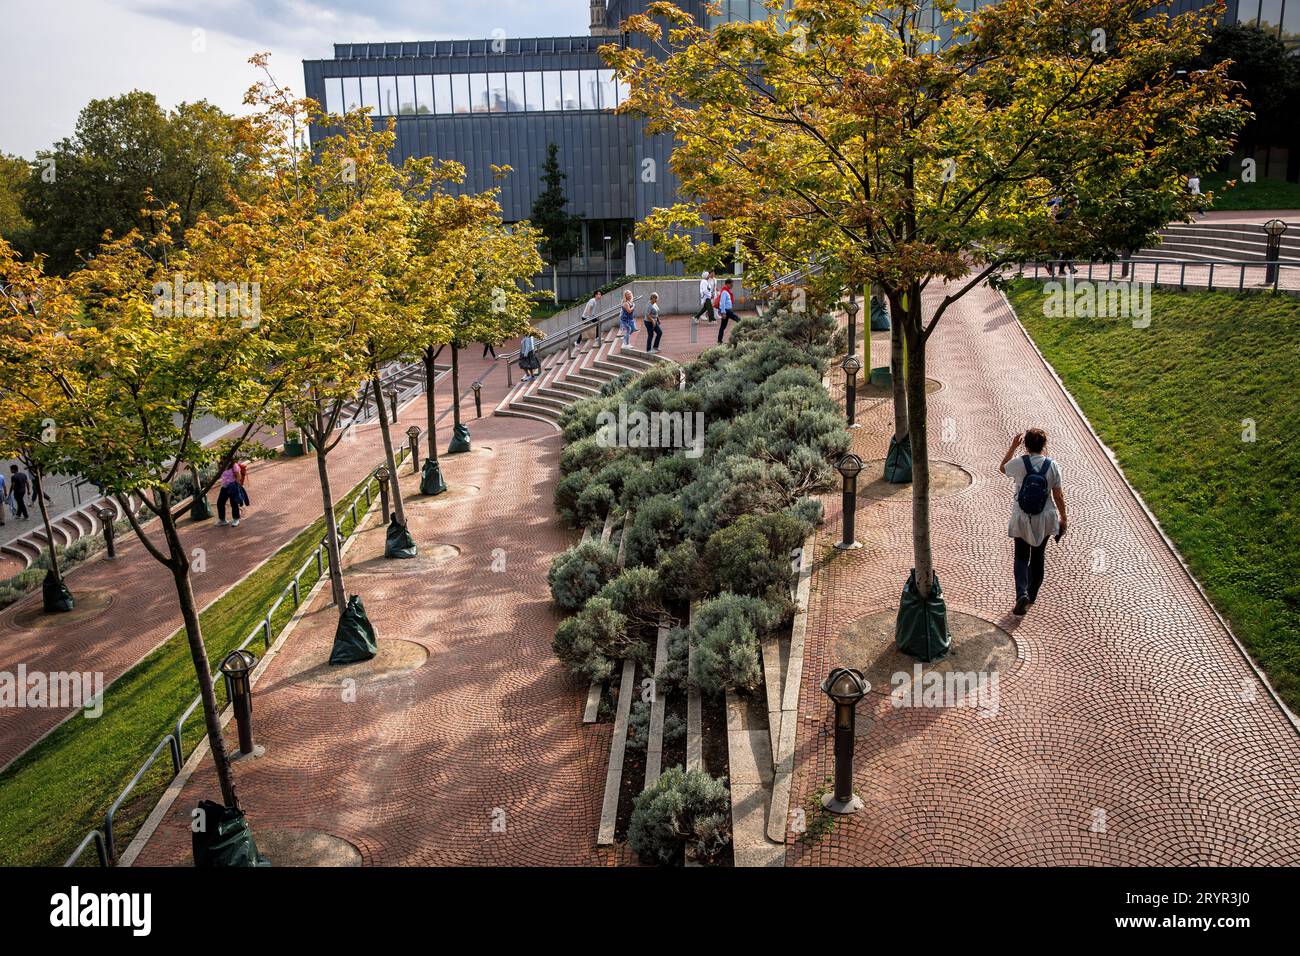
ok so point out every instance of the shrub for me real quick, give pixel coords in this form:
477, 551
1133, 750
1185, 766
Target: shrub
657, 525
591, 640
619, 472
808, 510
616, 385
567, 491
593, 503
637, 595
752, 556
586, 453
638, 736
725, 632
686, 813
580, 572
679, 572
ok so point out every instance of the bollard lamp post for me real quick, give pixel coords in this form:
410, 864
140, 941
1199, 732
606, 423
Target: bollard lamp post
237, 668
1274, 229
850, 466
851, 309
381, 475
392, 402
478, 399
413, 439
845, 686
852, 365
106, 517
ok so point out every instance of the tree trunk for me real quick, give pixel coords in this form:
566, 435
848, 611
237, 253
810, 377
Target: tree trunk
431, 416
923, 558
897, 372
331, 523
395, 484
455, 383
180, 568
45, 519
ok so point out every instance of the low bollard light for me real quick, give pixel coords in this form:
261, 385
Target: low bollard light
845, 686
852, 310
478, 399
850, 466
392, 402
381, 476
413, 438
106, 517
852, 365
237, 668
1274, 229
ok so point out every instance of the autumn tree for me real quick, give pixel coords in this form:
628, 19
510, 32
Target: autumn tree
922, 148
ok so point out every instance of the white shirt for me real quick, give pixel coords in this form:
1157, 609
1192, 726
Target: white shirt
1034, 529
706, 289
1194, 185
589, 312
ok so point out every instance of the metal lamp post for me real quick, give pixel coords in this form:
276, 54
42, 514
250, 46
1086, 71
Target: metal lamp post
852, 365
237, 668
413, 438
845, 686
850, 466
478, 399
1274, 229
381, 475
392, 403
607, 262
852, 310
106, 517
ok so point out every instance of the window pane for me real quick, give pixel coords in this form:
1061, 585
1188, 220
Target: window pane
406, 95
1248, 11
497, 92
623, 91
1270, 16
571, 90
478, 92
424, 102
608, 94
352, 92
370, 93
388, 95
515, 92
333, 95
533, 92
460, 93
590, 93
551, 96
1291, 21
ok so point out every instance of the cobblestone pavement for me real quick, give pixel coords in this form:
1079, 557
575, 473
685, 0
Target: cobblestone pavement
141, 598
1128, 729
472, 755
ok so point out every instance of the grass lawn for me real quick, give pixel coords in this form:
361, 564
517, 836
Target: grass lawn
1261, 194
1170, 400
60, 790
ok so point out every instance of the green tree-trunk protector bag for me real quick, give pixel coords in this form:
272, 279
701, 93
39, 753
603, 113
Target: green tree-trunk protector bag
922, 628
200, 510
459, 439
398, 542
226, 839
898, 463
879, 316
56, 595
354, 640
431, 482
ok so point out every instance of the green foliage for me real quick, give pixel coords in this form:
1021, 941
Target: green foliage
685, 814
594, 503
725, 633
752, 555
638, 727
591, 640
567, 490
637, 595
580, 573
561, 230
657, 525
680, 574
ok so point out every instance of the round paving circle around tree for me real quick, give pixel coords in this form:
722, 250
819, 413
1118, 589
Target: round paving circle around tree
305, 848
395, 658
429, 557
946, 480
90, 604
867, 390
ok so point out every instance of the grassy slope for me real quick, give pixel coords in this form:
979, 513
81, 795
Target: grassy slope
1261, 194
1170, 400
52, 796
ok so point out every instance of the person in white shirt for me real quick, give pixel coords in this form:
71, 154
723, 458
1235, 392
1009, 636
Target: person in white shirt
591, 310
707, 287
1037, 512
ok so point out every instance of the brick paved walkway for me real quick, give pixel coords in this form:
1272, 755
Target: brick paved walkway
144, 613
487, 730
1130, 731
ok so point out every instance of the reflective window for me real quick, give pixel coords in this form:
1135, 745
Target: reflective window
590, 90
623, 90
497, 92
370, 93
605, 87
406, 95
1270, 16
515, 92
388, 95
424, 101
478, 92
1248, 11
571, 101
533, 99
1291, 21
460, 93
334, 95
352, 93
551, 95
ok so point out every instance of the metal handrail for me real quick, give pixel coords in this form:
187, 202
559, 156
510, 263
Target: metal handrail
1130, 270
566, 338
104, 841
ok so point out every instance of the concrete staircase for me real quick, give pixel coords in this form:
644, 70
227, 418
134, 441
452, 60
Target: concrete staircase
1219, 241
572, 374
67, 528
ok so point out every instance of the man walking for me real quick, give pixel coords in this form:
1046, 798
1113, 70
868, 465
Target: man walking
725, 308
707, 287
1037, 512
590, 311
18, 485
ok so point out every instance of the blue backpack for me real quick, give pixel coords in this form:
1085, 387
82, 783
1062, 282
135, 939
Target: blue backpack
1033, 493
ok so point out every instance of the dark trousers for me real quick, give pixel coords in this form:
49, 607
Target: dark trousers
20, 505
1029, 568
706, 306
727, 316
654, 332
487, 347
229, 493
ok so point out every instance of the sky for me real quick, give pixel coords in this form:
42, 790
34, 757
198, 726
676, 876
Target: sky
60, 54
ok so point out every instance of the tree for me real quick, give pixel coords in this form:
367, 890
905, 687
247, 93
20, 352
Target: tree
14, 226
852, 132
124, 147
561, 232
